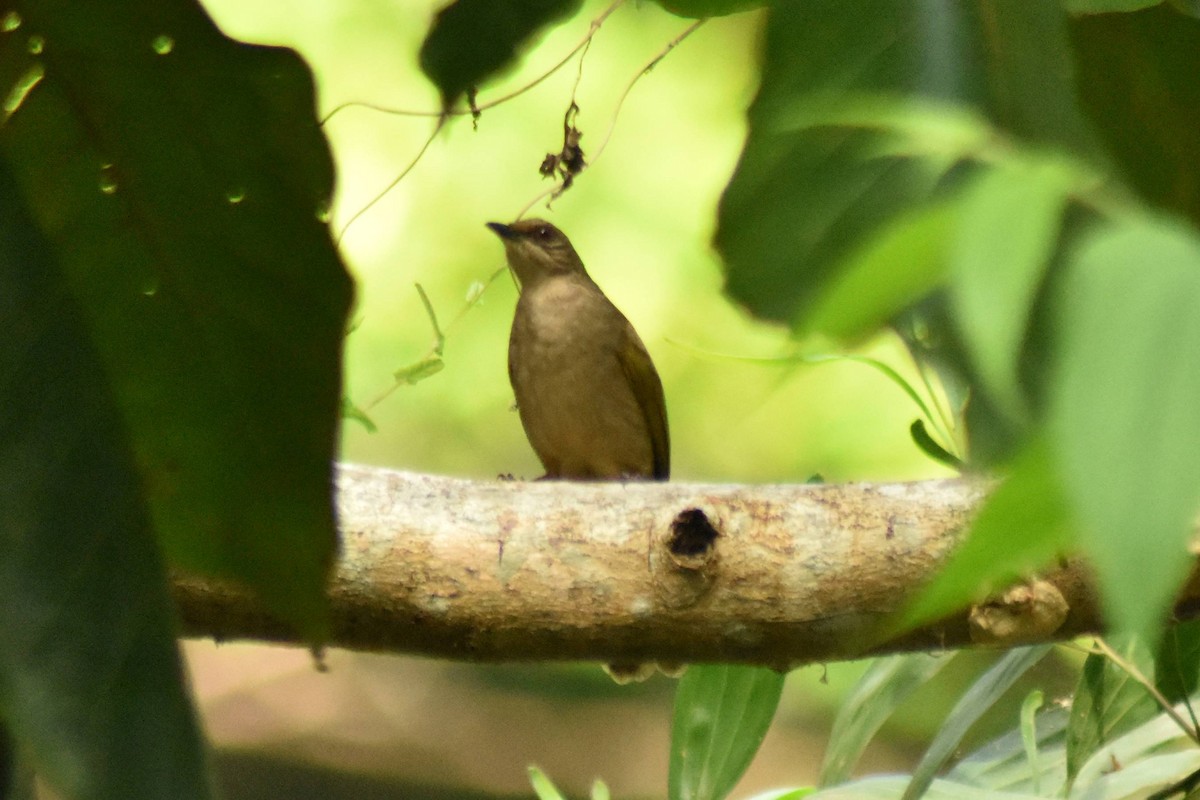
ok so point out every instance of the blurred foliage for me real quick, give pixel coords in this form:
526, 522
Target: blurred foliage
722, 712
472, 40
1012, 186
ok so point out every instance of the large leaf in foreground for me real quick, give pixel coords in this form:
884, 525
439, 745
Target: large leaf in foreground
178, 179
473, 40
1124, 419
1136, 77
91, 691
810, 191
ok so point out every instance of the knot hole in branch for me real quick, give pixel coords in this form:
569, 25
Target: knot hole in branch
693, 539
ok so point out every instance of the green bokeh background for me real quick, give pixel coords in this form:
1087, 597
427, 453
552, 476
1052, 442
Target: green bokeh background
642, 218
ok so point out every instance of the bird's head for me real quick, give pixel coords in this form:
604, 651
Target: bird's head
536, 249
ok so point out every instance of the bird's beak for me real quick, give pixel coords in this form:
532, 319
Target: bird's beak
502, 230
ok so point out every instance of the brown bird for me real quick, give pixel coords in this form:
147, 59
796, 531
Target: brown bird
589, 397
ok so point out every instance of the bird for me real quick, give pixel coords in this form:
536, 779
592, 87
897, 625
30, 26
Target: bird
589, 397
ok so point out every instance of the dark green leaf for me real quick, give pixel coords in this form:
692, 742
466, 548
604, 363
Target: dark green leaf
1136, 75
1105, 6
1177, 665
969, 708
1124, 411
930, 447
1107, 703
17, 779
810, 190
473, 40
1020, 528
886, 684
90, 678
178, 177
721, 716
698, 9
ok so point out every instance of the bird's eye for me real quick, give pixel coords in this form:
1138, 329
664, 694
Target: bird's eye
543, 232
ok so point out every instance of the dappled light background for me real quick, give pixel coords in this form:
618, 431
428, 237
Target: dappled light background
642, 218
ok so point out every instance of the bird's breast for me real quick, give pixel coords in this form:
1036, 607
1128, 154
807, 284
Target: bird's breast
575, 401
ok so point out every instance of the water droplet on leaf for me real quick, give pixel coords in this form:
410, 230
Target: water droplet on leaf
108, 179
163, 44
21, 89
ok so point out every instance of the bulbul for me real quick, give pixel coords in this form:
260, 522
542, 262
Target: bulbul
589, 397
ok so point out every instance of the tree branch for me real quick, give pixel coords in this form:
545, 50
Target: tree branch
515, 571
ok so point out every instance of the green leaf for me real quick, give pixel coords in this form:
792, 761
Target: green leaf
543, 787
1021, 527
1003, 764
1147, 759
1107, 702
1144, 778
810, 191
1106, 6
886, 684
970, 707
894, 268
91, 686
1123, 410
1007, 233
891, 786
1029, 708
353, 412
177, 177
471, 41
722, 713
1177, 664
699, 9
930, 447
1136, 78
418, 371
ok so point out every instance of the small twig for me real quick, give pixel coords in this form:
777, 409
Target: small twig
1132, 671
595, 26
569, 160
671, 45
439, 338
431, 362
393, 184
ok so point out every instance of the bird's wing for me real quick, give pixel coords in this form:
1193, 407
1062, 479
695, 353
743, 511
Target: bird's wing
647, 390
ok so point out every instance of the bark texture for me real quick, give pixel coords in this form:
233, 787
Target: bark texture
516, 571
